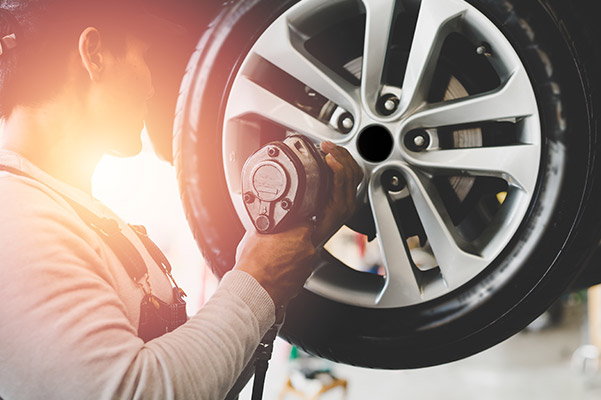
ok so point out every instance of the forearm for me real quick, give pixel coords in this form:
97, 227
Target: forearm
203, 358
99, 356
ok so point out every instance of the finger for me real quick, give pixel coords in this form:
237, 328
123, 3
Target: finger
344, 191
304, 229
337, 168
353, 174
346, 160
358, 173
348, 163
348, 188
327, 146
339, 178
340, 153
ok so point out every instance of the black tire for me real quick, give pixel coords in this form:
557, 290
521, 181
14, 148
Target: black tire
558, 234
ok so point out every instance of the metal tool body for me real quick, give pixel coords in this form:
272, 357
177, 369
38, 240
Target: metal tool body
285, 183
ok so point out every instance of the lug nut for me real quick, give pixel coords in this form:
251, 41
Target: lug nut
393, 181
484, 49
346, 122
387, 104
273, 152
419, 141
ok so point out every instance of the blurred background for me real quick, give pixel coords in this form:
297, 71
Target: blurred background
557, 357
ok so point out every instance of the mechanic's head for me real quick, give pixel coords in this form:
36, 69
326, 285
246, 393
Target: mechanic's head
87, 53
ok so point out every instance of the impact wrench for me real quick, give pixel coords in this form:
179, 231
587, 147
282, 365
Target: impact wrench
283, 184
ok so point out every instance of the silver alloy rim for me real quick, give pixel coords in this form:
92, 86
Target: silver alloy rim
514, 102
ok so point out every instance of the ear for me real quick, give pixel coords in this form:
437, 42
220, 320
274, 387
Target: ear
91, 52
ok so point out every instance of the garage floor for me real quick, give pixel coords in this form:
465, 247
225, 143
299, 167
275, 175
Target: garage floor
530, 365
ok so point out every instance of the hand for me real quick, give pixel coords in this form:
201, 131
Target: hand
346, 177
280, 262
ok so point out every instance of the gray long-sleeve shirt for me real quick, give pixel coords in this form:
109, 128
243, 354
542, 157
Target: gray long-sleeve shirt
69, 311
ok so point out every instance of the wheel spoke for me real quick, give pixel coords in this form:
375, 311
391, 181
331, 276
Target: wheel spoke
254, 99
515, 164
447, 246
284, 49
511, 102
379, 21
435, 20
401, 283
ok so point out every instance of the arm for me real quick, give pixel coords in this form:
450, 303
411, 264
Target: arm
65, 333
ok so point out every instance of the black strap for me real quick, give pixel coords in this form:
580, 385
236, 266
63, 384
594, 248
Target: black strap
108, 229
157, 255
259, 362
154, 251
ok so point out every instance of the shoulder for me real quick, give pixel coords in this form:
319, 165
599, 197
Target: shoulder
36, 221
26, 201
21, 193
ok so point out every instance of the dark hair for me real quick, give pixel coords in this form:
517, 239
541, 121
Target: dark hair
47, 32
8, 58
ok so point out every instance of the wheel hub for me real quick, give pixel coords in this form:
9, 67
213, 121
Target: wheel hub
375, 143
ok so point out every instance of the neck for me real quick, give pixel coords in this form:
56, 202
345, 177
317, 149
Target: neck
54, 142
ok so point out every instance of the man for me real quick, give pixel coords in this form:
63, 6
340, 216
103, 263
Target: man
74, 85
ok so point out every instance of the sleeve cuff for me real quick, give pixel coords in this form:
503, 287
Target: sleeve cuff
253, 295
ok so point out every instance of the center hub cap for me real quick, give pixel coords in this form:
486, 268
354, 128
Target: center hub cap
375, 143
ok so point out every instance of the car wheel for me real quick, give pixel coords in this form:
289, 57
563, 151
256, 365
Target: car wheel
472, 121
